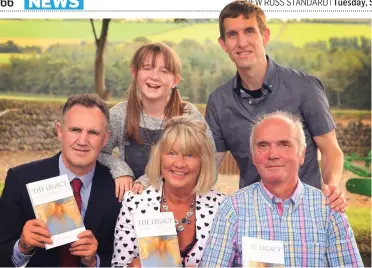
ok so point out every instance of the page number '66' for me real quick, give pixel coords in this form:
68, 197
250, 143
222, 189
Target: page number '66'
6, 3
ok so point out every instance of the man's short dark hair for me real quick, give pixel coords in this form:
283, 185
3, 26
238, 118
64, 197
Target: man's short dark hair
241, 7
88, 101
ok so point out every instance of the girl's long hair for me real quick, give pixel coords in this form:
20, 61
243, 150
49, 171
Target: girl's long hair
175, 105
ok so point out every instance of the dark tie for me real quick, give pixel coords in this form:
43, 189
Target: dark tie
76, 187
65, 258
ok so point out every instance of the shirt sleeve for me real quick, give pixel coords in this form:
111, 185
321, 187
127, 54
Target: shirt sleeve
18, 258
221, 250
125, 244
315, 108
98, 264
211, 116
144, 180
342, 249
118, 167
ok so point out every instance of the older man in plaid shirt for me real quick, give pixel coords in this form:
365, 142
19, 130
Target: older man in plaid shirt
280, 207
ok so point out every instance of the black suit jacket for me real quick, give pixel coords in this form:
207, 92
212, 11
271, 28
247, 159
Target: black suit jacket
16, 210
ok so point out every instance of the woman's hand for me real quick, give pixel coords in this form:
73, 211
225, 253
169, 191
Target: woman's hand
135, 263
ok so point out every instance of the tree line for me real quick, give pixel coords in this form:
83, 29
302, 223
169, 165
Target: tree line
11, 47
343, 65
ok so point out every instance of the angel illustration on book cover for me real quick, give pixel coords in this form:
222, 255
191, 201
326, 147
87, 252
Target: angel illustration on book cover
61, 215
160, 251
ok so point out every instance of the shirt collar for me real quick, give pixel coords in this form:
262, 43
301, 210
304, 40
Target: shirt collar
269, 80
86, 178
295, 197
268, 83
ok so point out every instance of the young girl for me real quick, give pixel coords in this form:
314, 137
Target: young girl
137, 124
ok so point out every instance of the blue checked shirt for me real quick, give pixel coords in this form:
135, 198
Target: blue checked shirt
312, 234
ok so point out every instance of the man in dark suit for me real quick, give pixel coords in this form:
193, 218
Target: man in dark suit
83, 131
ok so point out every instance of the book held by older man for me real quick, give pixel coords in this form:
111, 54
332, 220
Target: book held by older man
157, 240
262, 253
54, 203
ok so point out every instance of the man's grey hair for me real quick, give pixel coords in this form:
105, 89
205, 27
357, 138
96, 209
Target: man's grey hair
89, 101
292, 119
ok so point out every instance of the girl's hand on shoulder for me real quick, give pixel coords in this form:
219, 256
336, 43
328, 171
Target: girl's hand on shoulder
122, 185
137, 188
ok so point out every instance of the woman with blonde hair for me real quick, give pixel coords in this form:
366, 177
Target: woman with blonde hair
137, 124
181, 172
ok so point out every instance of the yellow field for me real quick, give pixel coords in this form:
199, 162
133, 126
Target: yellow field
5, 57
40, 42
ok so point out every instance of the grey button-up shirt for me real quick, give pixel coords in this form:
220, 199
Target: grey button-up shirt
231, 111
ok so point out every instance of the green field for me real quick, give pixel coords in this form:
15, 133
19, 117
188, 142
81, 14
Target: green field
47, 32
44, 33
80, 30
5, 57
301, 33
360, 218
44, 98
360, 222
296, 33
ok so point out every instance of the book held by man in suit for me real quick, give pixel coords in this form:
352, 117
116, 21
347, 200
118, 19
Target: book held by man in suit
54, 203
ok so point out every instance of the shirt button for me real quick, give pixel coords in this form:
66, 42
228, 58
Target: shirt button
250, 101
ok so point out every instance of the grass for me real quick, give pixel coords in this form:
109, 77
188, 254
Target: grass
296, 33
5, 57
46, 32
350, 111
348, 114
301, 33
360, 218
38, 98
360, 222
199, 32
43, 98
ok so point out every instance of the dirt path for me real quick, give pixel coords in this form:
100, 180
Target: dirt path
226, 183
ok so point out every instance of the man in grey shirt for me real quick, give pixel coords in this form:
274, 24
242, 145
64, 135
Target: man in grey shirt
262, 86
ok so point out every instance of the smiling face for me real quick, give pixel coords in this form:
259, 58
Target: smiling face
82, 135
154, 79
180, 171
276, 152
244, 42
